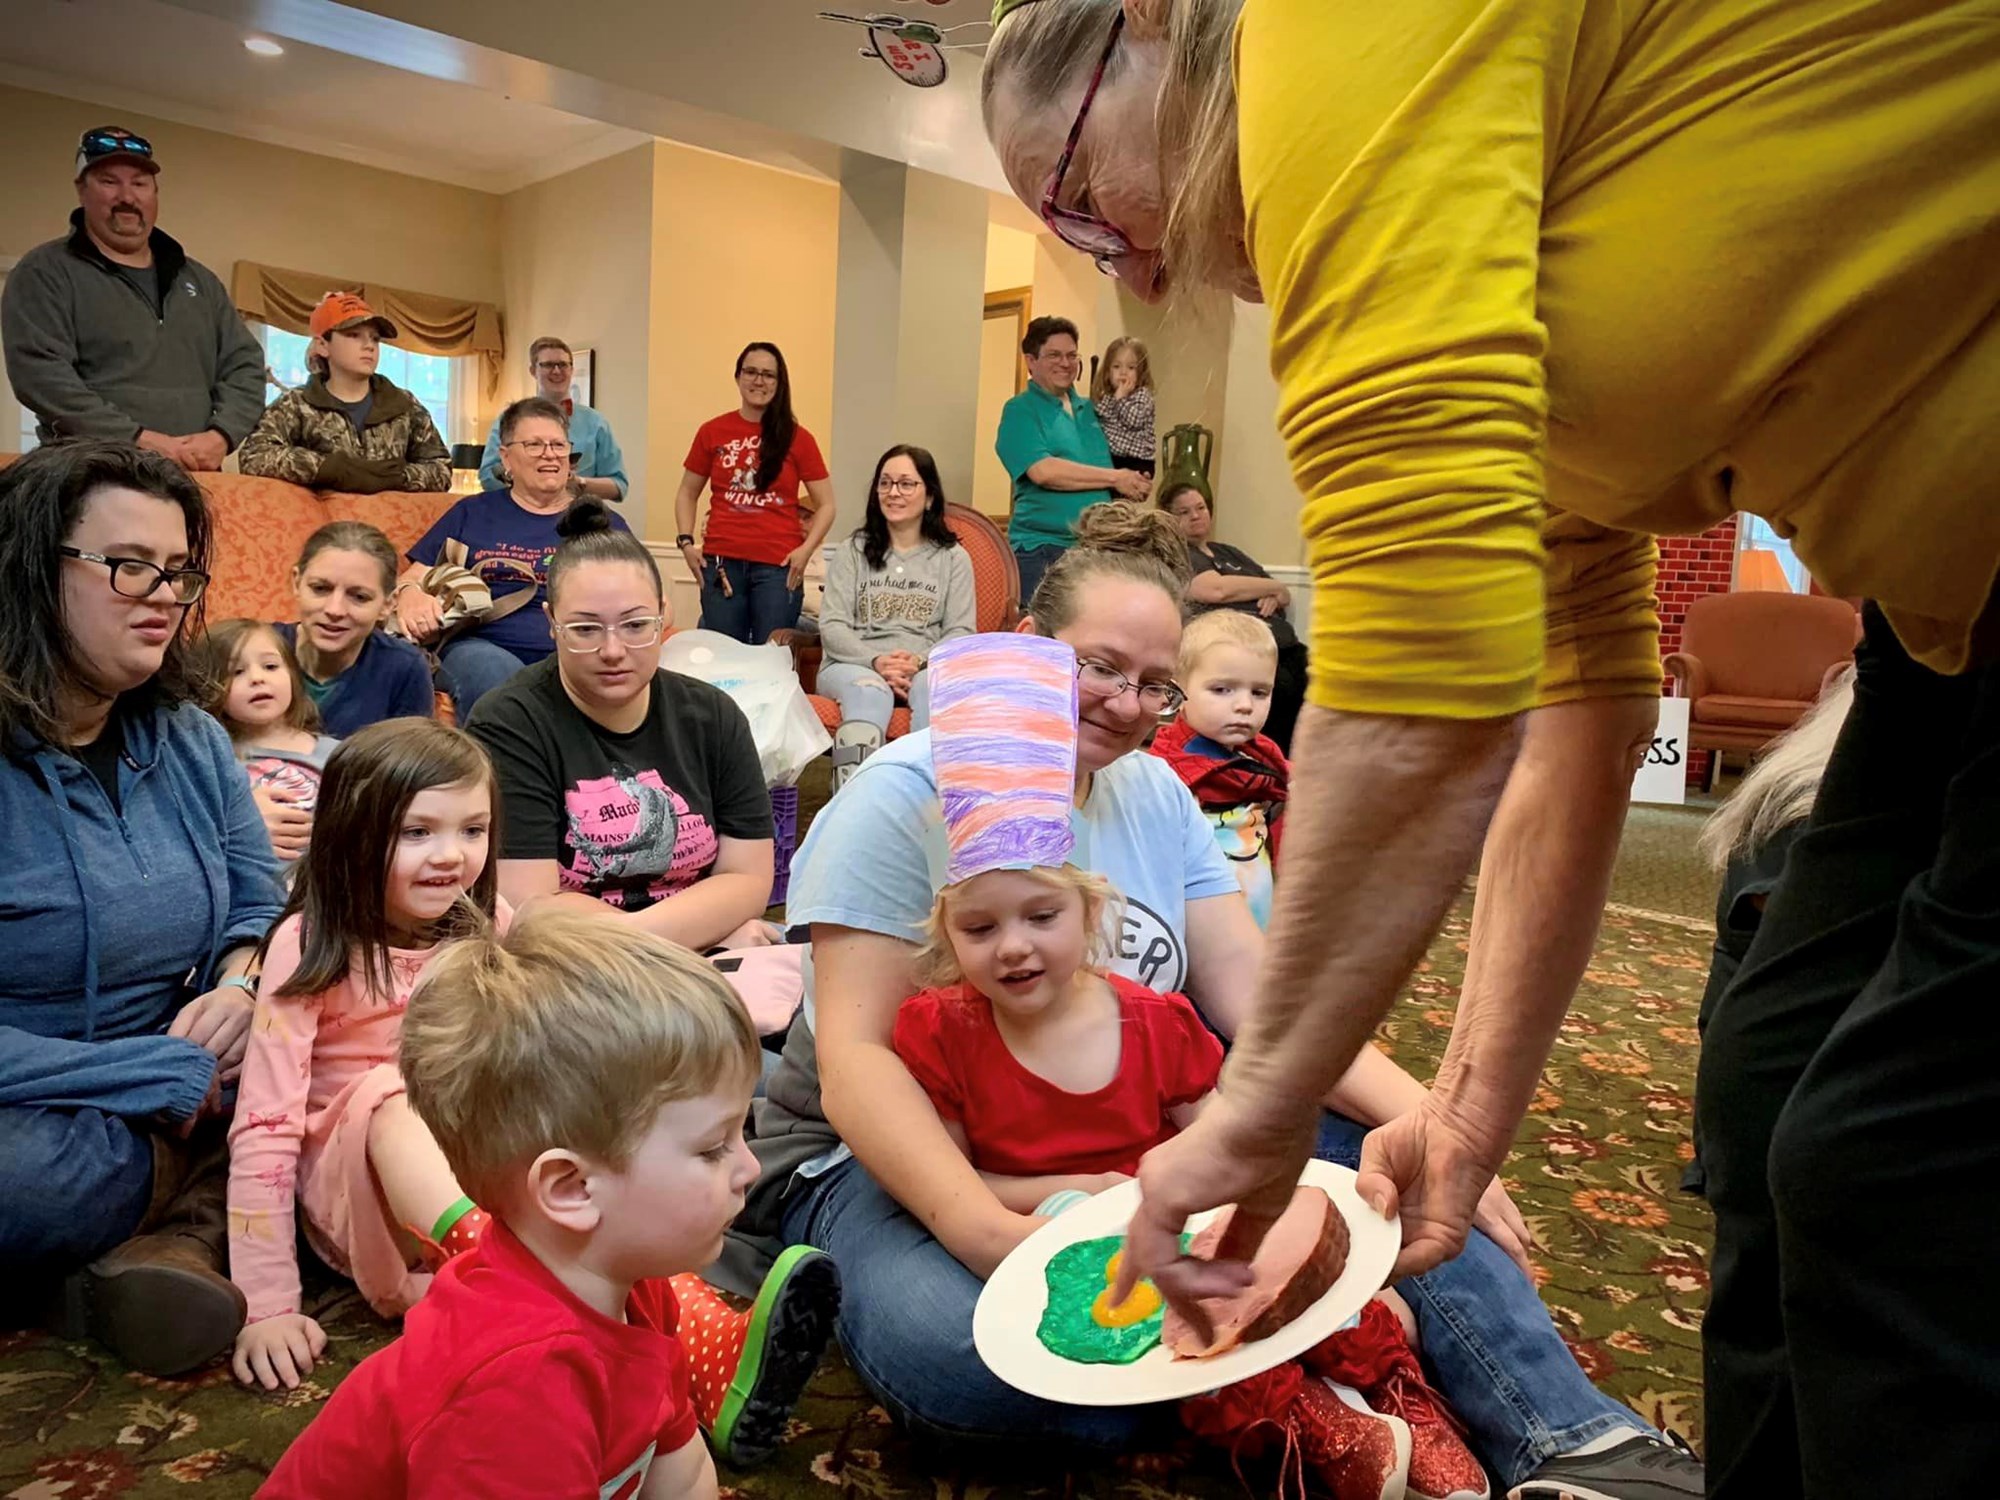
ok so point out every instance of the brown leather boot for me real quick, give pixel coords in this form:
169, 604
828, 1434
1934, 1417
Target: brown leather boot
160, 1301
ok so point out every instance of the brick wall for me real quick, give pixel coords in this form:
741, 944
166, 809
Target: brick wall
1691, 566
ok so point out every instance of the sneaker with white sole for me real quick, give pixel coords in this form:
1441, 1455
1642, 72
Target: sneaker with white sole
1640, 1468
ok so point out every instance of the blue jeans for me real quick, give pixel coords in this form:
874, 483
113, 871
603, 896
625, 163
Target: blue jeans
1033, 563
471, 669
760, 599
865, 698
73, 1184
906, 1324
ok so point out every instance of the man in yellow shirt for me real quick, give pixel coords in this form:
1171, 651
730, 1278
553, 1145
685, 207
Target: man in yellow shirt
1548, 277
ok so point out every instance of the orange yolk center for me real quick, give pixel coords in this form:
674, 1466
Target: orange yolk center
1138, 1307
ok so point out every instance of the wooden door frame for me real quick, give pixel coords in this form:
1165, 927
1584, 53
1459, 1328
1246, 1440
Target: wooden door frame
1018, 303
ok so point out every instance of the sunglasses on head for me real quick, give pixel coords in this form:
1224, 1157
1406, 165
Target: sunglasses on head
114, 143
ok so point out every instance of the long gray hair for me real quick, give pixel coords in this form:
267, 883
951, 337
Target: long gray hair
1780, 788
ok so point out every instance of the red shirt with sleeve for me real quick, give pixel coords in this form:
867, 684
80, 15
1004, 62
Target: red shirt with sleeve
503, 1384
744, 522
1017, 1123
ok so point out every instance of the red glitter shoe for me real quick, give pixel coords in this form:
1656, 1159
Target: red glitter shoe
1376, 1358
1323, 1431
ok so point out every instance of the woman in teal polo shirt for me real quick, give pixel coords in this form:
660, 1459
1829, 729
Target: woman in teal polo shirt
1055, 453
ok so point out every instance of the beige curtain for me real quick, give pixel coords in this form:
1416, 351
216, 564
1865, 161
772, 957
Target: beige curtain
426, 324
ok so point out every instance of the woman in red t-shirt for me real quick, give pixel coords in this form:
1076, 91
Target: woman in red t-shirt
751, 559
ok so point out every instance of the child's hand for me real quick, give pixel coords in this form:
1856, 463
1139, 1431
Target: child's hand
290, 829
277, 1351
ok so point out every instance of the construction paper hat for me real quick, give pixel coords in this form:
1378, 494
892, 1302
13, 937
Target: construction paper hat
1003, 745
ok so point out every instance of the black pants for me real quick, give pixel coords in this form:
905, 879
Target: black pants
1849, 1108
1288, 695
1125, 461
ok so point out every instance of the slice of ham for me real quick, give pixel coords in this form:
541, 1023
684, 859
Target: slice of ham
1301, 1257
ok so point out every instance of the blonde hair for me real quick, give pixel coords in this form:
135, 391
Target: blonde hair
1780, 788
571, 1031
1116, 539
937, 961
1142, 379
1041, 49
1224, 627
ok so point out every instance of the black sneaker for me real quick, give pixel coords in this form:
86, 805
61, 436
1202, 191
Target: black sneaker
1641, 1468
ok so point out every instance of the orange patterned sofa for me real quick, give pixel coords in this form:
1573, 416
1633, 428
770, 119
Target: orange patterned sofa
996, 582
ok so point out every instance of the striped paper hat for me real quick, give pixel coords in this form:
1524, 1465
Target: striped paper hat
1003, 744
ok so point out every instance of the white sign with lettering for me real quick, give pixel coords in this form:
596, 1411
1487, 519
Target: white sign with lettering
1663, 773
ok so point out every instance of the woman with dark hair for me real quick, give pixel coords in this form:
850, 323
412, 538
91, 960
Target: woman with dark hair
137, 885
900, 587
498, 535
753, 554
355, 673
1226, 577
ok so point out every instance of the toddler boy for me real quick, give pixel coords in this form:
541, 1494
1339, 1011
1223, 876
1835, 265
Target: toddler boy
1228, 662
588, 1084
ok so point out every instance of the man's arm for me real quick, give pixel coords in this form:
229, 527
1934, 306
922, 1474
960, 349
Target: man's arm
239, 372
42, 356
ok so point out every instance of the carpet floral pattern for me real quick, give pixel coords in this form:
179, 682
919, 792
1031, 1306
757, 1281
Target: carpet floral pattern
1621, 1260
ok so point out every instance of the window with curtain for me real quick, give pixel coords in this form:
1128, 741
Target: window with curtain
443, 384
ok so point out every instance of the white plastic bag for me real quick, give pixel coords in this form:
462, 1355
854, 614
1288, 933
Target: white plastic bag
760, 679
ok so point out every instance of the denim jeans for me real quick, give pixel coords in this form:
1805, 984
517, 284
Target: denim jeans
906, 1324
1033, 563
760, 599
471, 669
73, 1183
865, 698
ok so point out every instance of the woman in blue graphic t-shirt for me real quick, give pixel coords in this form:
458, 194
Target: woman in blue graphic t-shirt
514, 525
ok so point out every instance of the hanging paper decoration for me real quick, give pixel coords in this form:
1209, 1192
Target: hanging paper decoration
912, 50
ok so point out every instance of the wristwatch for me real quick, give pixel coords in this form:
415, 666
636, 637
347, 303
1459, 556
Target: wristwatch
683, 540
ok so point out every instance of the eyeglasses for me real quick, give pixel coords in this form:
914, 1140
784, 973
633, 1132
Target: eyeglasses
1102, 680
582, 637
136, 578
898, 486
549, 367
1101, 241
536, 447
762, 377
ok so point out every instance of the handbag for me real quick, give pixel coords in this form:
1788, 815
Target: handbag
465, 598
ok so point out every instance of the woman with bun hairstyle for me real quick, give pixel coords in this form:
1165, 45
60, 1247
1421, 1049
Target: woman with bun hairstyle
624, 786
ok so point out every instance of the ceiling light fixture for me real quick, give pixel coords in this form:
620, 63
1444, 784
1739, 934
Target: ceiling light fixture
263, 46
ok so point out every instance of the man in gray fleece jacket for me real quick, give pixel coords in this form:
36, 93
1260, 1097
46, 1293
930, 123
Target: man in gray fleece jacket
115, 333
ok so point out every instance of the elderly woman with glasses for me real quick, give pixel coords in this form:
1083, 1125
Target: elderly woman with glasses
597, 468
623, 786
499, 534
137, 885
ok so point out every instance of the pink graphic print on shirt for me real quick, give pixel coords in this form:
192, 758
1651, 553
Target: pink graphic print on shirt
299, 782
626, 830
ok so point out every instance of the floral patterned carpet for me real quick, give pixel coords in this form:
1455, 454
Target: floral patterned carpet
1621, 1259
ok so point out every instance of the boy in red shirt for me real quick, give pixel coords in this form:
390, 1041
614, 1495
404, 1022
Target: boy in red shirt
588, 1084
1238, 775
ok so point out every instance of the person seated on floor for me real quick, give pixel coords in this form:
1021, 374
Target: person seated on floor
323, 1133
137, 885
856, 1162
900, 587
1238, 775
355, 673
588, 1084
1054, 1075
348, 428
505, 536
627, 789
254, 689
598, 468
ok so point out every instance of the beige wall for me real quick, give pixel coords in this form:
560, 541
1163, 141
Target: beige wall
738, 252
1010, 258
579, 267
1256, 504
228, 199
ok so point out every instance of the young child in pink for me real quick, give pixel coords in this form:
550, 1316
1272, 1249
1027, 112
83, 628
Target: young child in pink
321, 1122
1054, 1077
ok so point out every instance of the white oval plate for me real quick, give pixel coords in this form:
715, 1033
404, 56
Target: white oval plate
1010, 1306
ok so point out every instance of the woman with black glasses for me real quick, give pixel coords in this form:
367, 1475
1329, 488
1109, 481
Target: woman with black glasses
497, 534
753, 553
137, 884
623, 786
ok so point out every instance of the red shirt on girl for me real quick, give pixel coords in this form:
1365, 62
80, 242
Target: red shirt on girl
1017, 1123
744, 522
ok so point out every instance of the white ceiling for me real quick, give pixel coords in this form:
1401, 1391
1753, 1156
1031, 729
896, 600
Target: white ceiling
160, 59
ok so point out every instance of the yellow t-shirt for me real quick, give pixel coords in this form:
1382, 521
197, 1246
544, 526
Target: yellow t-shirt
1586, 271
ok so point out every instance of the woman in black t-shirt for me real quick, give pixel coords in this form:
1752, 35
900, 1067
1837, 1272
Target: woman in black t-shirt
1227, 577
630, 787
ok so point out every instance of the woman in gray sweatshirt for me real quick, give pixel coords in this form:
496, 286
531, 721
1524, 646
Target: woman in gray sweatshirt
898, 587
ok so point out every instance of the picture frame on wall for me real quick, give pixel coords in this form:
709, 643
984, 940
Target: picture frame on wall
583, 383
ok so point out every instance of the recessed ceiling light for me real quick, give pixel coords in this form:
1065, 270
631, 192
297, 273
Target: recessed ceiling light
263, 46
